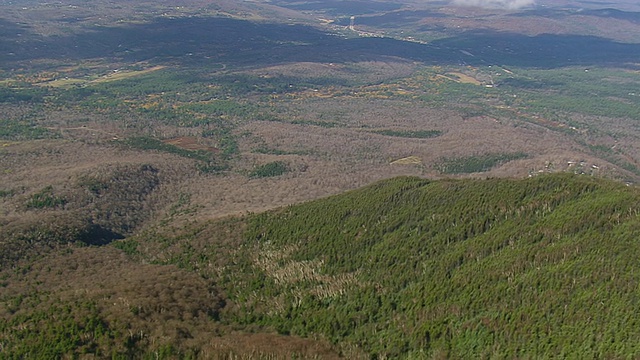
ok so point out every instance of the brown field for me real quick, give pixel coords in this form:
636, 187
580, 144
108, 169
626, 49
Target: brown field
460, 78
410, 160
116, 75
126, 74
189, 143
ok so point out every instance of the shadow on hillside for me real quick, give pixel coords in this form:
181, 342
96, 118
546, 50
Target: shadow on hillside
207, 41
542, 51
12, 37
341, 7
10, 30
98, 235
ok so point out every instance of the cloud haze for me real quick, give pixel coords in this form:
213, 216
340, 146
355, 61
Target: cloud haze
500, 4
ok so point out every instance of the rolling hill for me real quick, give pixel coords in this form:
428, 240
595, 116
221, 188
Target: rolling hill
407, 267
543, 267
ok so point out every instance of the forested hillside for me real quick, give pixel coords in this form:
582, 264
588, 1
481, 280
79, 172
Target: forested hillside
541, 267
408, 267
544, 267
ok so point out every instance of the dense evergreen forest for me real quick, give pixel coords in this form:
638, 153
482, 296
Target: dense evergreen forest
544, 267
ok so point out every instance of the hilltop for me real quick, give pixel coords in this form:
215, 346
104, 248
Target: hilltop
408, 267
499, 268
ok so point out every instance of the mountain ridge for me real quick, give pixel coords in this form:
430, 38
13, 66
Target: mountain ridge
527, 239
